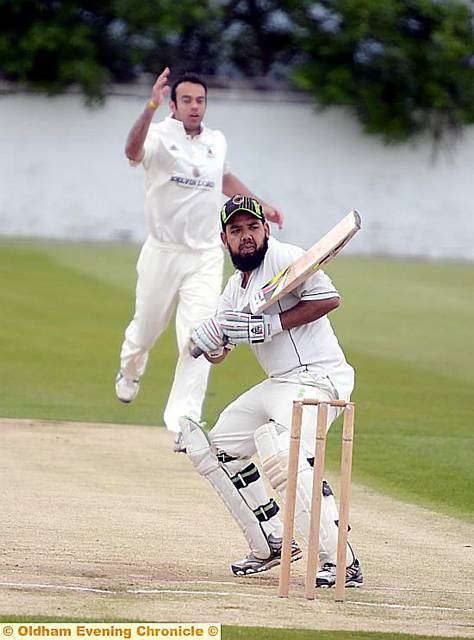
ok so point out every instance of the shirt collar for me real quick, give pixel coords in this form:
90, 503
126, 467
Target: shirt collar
178, 127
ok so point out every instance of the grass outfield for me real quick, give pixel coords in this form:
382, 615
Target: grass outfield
405, 326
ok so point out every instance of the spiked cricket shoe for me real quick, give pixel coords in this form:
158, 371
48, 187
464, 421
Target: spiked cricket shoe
179, 446
326, 577
250, 564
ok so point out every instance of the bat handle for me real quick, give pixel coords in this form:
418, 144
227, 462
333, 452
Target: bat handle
194, 350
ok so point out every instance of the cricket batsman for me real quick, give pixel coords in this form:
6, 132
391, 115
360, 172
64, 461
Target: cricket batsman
296, 346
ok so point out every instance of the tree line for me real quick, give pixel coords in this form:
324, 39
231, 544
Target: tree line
404, 67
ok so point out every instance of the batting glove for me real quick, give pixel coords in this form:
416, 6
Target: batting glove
209, 337
242, 327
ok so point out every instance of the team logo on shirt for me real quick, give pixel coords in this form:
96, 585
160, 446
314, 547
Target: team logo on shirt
210, 153
173, 148
192, 183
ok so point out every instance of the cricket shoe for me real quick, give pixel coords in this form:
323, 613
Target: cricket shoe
250, 564
179, 446
326, 577
126, 388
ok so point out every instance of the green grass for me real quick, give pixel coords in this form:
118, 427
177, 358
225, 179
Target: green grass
405, 326
251, 633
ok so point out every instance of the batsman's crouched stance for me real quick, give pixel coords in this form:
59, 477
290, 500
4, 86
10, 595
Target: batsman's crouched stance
296, 346
238, 483
225, 460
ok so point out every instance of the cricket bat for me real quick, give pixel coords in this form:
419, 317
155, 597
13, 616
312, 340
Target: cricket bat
294, 274
320, 254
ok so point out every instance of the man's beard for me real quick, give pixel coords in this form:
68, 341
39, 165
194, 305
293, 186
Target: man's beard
250, 261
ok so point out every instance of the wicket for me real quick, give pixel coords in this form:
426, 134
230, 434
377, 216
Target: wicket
315, 516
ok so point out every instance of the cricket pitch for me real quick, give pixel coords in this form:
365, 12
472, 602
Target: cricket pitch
105, 521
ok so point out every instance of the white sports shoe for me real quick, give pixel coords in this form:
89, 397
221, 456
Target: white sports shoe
326, 577
179, 446
126, 388
250, 564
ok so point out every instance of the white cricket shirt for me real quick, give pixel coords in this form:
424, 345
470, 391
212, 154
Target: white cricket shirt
314, 345
183, 184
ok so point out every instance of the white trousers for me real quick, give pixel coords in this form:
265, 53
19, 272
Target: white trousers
189, 281
272, 399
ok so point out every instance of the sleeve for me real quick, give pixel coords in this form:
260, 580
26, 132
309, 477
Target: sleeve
317, 287
151, 146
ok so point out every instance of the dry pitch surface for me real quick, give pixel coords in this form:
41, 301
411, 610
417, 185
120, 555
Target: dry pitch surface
105, 521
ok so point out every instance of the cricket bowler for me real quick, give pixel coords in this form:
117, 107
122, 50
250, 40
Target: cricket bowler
180, 264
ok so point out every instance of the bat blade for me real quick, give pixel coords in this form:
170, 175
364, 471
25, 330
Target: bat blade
320, 254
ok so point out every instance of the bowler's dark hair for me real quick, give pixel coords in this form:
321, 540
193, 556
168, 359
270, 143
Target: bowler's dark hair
187, 77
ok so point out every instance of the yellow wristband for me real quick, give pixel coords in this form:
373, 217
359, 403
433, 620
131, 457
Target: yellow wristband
152, 104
